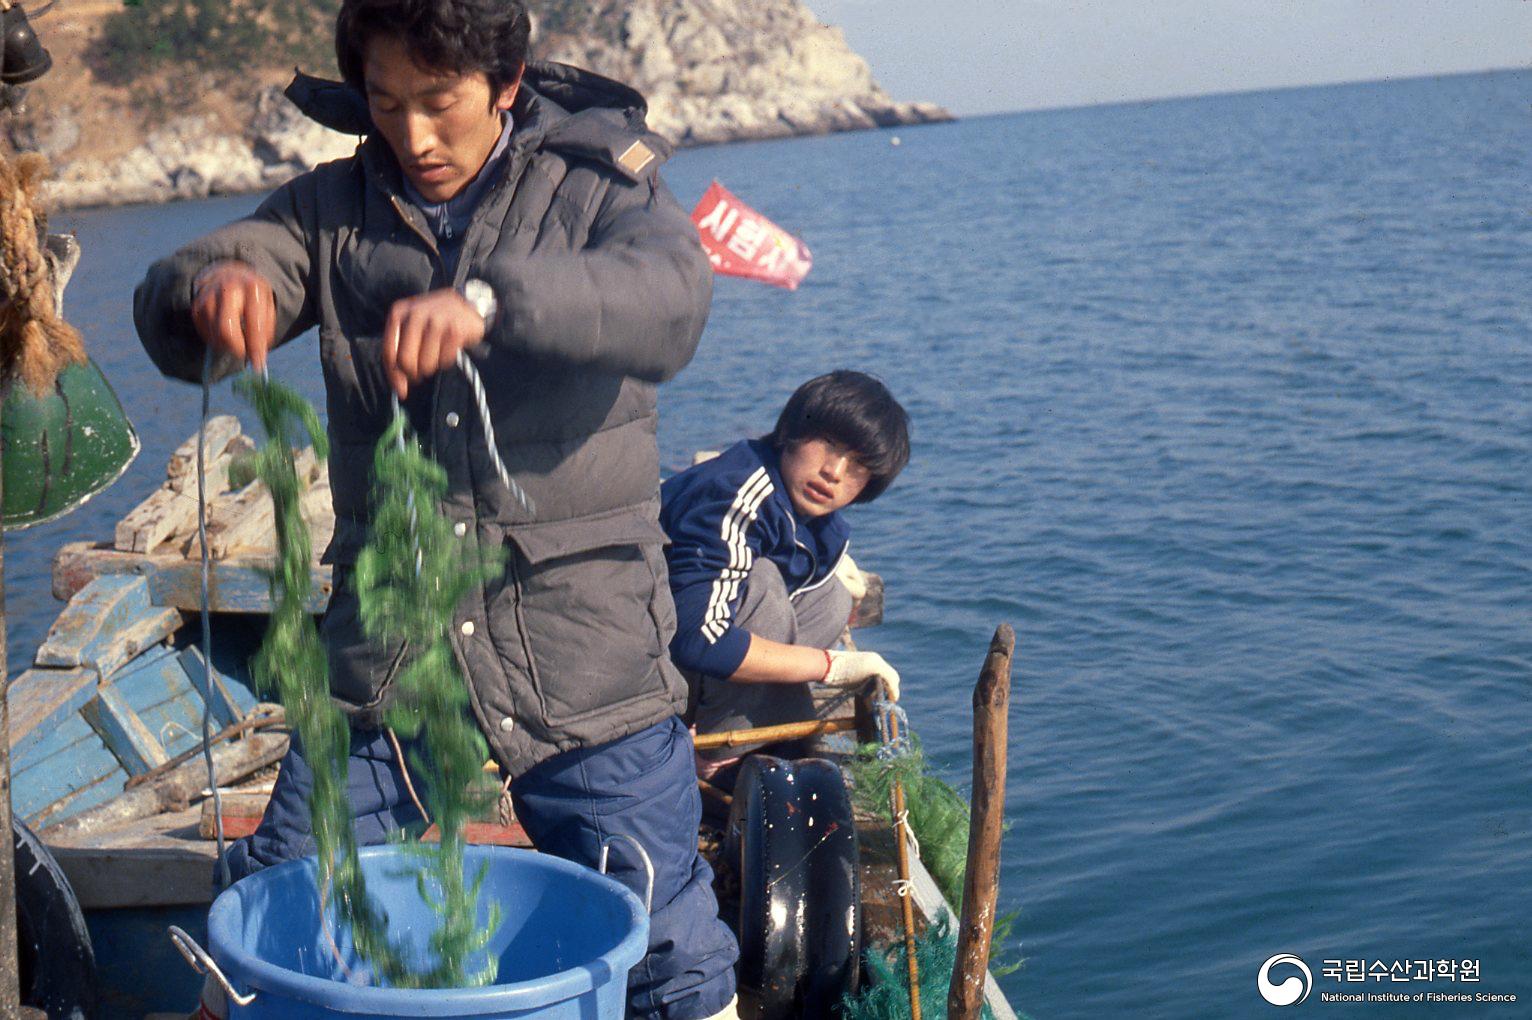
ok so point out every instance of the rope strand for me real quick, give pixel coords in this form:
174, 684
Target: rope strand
481, 398
207, 622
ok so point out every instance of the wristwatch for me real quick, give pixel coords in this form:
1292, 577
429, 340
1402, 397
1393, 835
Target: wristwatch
481, 297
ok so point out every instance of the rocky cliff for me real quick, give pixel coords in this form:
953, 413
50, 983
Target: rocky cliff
713, 70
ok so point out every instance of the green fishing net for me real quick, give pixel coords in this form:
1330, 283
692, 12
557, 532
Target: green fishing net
938, 814
886, 995
939, 818
410, 578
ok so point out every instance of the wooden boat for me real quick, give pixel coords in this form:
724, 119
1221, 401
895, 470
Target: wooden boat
106, 727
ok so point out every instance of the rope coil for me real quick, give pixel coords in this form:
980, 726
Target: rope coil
35, 341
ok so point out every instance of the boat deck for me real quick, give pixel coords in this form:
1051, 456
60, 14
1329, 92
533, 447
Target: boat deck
106, 725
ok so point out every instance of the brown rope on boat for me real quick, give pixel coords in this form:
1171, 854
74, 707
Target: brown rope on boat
35, 341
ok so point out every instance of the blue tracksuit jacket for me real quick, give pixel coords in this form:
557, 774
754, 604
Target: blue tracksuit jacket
720, 515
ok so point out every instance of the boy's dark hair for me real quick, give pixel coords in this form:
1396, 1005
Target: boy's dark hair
856, 411
457, 36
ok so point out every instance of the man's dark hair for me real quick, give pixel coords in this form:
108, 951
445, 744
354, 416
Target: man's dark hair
856, 411
456, 36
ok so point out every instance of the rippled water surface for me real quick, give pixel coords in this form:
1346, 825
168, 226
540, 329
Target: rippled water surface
1223, 403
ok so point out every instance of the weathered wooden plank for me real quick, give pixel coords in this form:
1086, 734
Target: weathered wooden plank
228, 706
232, 762
166, 700
171, 510
40, 699
238, 584
107, 624
181, 469
319, 511
123, 732
150, 862
89, 795
161, 515
171, 507
242, 812
241, 522
69, 770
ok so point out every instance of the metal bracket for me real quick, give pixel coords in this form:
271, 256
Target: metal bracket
643, 854
202, 963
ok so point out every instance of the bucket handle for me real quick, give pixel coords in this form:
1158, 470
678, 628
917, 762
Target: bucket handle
606, 846
202, 963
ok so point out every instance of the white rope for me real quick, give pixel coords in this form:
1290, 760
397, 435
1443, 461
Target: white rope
481, 397
903, 822
207, 622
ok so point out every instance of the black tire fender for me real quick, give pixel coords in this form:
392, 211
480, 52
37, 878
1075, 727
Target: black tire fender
56, 961
793, 839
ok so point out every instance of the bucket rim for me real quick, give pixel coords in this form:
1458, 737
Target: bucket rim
258, 975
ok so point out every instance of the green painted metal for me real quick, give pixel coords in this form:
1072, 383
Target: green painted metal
60, 450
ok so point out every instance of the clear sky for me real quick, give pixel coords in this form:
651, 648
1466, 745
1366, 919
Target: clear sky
986, 56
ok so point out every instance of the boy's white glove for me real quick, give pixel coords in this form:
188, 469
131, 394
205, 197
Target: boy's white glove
851, 576
848, 669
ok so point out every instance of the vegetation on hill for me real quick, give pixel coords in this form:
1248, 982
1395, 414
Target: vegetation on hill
213, 35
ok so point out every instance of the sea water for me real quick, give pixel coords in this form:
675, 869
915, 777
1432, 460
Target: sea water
1223, 404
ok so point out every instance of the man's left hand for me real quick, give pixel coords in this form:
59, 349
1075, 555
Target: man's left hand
424, 334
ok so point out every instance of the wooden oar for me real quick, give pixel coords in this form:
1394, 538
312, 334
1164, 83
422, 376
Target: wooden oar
991, 706
907, 895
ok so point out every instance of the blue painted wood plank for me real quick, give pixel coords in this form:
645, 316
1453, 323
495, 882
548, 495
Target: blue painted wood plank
81, 799
107, 624
230, 701
81, 767
124, 732
177, 725
41, 699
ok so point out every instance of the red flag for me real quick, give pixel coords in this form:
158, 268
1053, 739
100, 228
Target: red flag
741, 242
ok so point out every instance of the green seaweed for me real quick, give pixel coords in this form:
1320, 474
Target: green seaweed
410, 578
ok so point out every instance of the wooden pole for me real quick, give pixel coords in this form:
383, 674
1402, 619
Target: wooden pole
981, 883
769, 734
907, 894
10, 974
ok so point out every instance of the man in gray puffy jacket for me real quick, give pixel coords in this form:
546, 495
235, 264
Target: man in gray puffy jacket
512, 211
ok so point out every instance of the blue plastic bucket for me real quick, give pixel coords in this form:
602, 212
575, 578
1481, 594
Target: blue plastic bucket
567, 939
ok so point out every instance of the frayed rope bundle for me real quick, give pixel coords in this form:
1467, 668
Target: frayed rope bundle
35, 341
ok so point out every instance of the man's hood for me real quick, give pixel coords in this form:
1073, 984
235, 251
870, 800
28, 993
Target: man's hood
562, 107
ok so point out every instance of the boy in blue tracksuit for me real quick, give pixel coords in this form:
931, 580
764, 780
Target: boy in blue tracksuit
758, 557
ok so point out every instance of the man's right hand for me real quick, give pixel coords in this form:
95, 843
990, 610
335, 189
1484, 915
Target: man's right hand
234, 311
